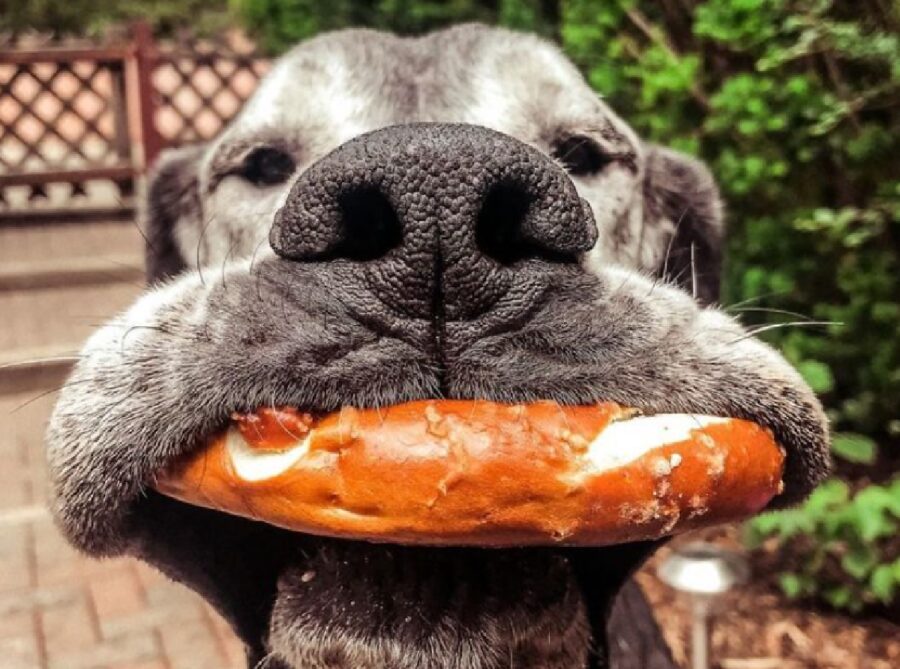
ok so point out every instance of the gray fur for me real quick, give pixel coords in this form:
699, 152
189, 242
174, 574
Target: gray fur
245, 328
681, 192
173, 202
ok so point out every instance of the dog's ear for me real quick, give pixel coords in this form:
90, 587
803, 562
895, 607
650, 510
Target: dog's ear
173, 203
682, 191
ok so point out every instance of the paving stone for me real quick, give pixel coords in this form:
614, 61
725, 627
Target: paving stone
167, 593
232, 646
116, 593
26, 600
191, 645
69, 630
123, 650
149, 575
149, 664
14, 494
19, 652
15, 571
56, 562
151, 618
15, 624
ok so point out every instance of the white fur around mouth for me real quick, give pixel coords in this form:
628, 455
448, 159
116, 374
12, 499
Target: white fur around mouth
253, 464
624, 441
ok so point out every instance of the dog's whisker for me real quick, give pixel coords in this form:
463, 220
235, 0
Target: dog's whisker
281, 424
636, 259
618, 290
74, 357
136, 222
768, 310
665, 269
284, 315
225, 262
200, 241
47, 392
263, 661
675, 280
751, 300
256, 249
258, 273
130, 328
203, 472
693, 271
776, 326
565, 417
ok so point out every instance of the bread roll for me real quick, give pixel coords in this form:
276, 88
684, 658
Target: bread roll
479, 473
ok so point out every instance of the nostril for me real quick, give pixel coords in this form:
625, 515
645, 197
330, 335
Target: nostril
500, 229
370, 226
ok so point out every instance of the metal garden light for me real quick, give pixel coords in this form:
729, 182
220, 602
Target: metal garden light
704, 572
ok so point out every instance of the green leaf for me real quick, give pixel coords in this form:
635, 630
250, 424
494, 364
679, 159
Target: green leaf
840, 597
894, 497
818, 375
875, 499
853, 447
792, 585
883, 584
823, 499
783, 524
874, 525
859, 562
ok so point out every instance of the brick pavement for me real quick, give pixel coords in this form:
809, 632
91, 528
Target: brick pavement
61, 610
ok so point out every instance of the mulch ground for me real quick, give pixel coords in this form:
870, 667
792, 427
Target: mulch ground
758, 628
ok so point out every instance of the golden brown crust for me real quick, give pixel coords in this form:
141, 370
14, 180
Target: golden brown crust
481, 473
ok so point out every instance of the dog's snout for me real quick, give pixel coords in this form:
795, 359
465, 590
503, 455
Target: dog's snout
434, 212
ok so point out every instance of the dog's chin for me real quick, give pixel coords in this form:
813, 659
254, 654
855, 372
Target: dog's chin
351, 604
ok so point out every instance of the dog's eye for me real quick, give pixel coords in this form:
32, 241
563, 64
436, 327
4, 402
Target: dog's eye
267, 166
580, 155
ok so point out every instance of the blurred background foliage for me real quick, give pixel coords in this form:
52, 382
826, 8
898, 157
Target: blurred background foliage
795, 105
93, 18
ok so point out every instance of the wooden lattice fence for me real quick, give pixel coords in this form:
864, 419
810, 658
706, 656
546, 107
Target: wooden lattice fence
201, 87
73, 118
64, 119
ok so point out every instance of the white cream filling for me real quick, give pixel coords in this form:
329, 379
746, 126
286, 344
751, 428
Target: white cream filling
627, 440
254, 464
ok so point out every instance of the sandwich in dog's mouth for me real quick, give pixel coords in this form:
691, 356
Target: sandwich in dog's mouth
485, 474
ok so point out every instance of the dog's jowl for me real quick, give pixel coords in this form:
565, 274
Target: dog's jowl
389, 219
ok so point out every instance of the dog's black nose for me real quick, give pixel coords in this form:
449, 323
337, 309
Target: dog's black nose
435, 217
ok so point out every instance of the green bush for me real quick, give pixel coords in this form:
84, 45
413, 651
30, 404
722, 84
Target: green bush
278, 24
63, 18
843, 548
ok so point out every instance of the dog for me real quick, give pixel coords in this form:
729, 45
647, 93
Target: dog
394, 218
